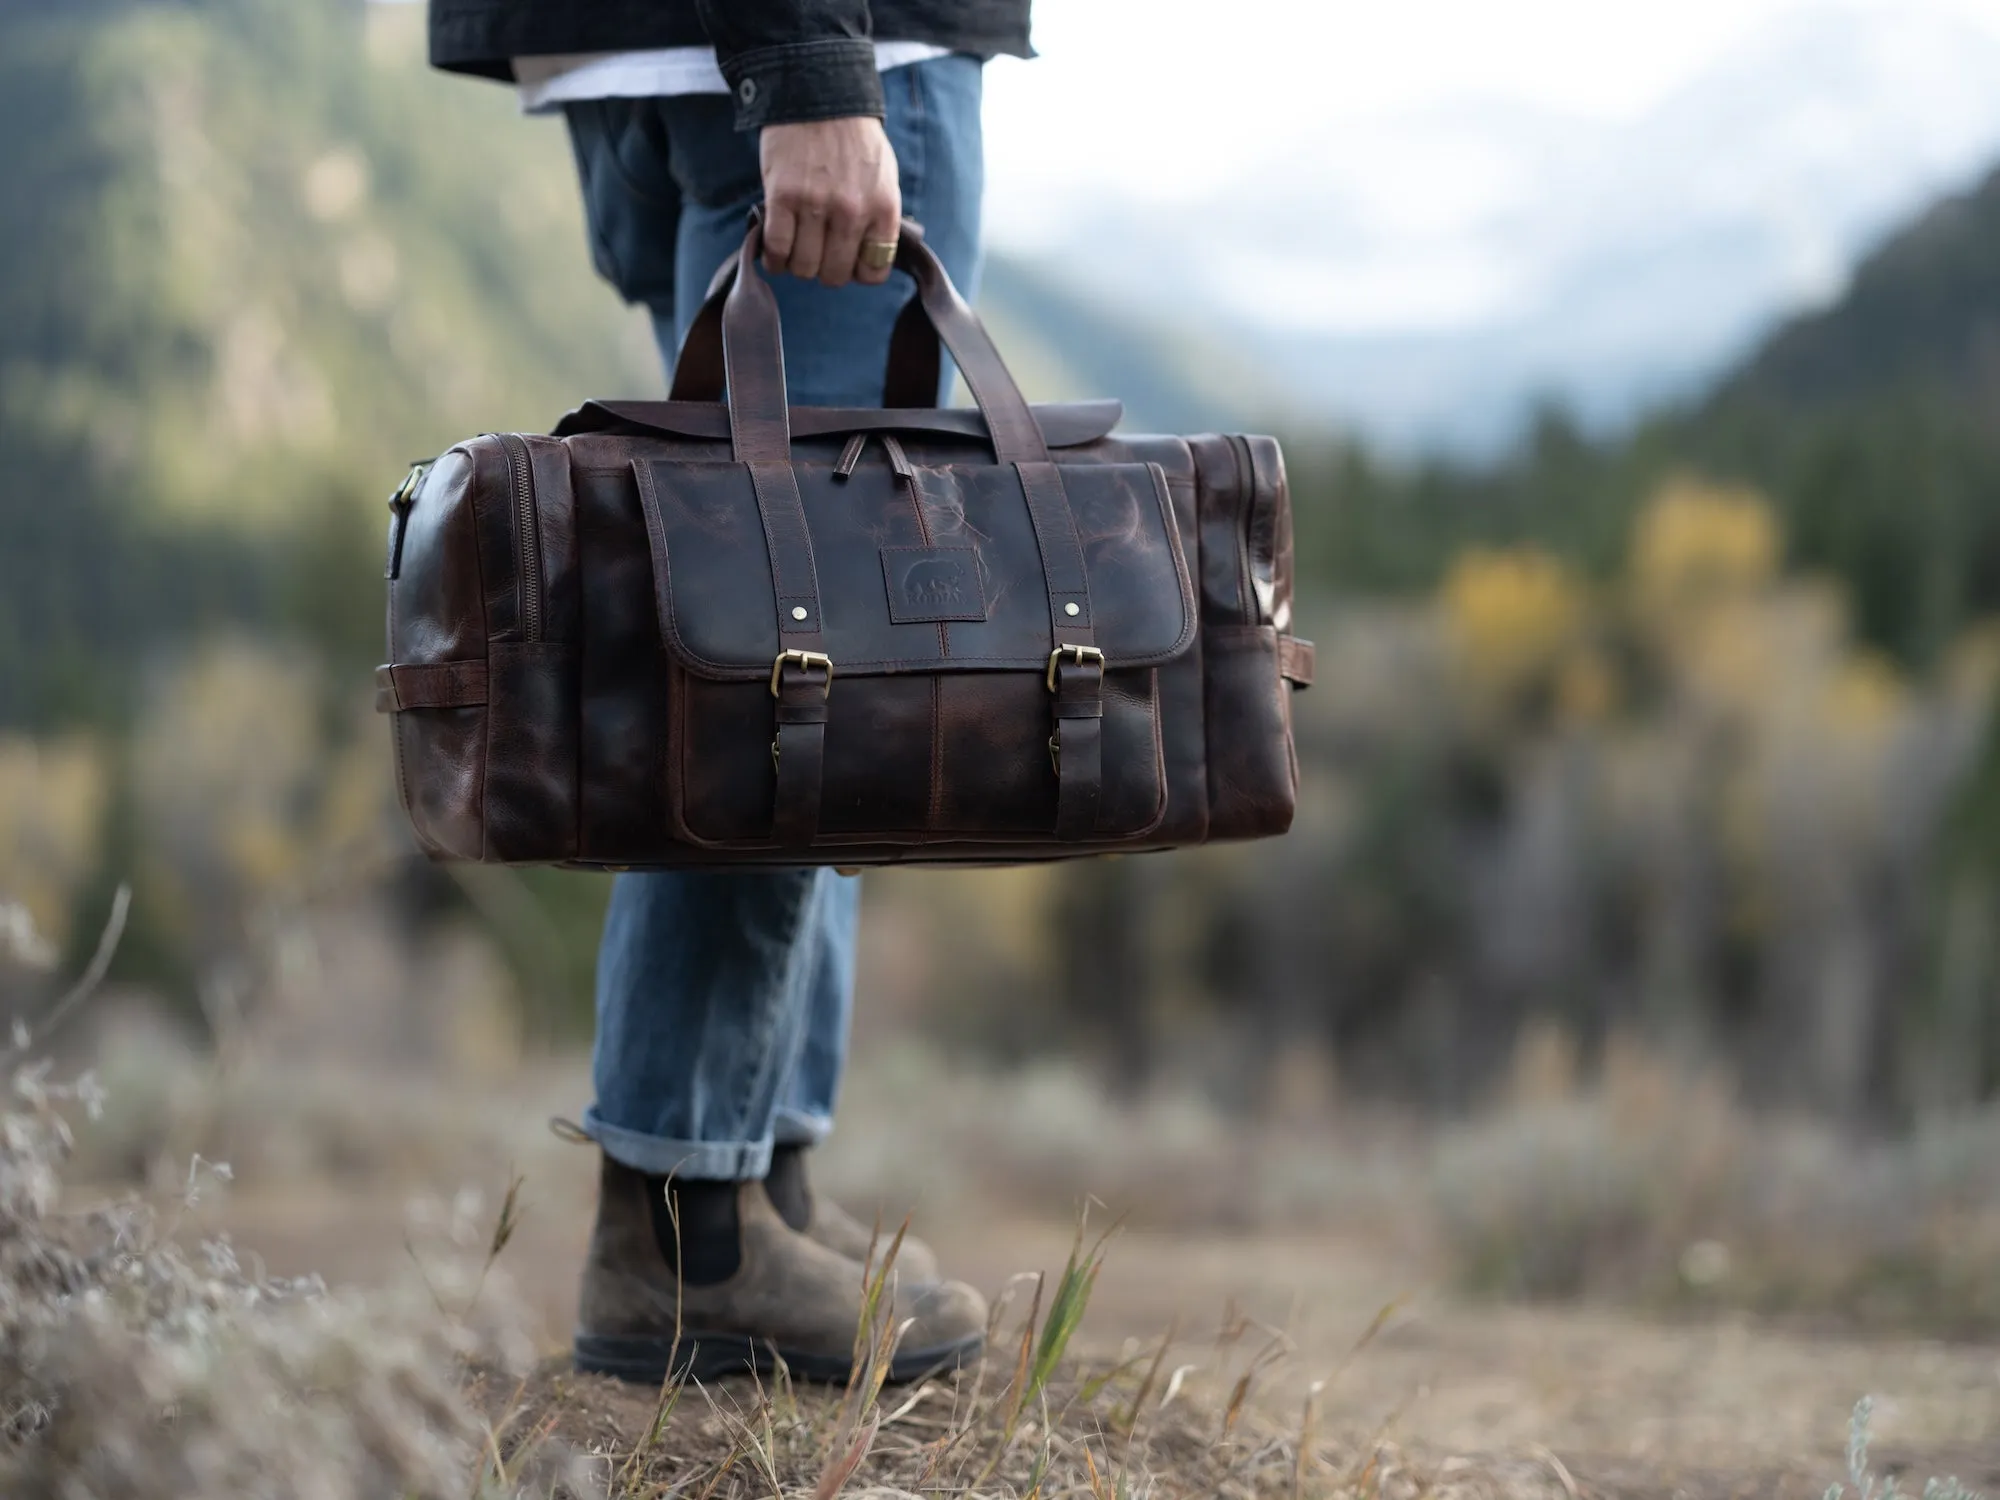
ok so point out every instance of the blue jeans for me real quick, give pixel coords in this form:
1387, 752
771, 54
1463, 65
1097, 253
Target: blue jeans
723, 998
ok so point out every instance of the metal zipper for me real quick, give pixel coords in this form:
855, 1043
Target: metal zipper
527, 534
399, 512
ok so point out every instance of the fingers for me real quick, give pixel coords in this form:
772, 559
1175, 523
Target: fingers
829, 185
809, 247
781, 228
839, 263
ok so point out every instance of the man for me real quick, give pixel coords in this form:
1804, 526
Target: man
723, 998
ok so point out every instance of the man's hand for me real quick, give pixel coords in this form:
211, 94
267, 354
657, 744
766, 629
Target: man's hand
828, 185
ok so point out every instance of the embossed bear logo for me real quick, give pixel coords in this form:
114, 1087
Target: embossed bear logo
935, 583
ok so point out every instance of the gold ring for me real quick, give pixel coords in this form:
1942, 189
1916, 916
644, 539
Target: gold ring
878, 255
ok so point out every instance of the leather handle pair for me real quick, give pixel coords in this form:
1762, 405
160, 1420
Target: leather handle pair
735, 342
915, 368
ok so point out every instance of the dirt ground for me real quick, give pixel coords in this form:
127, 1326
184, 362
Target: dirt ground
1608, 1402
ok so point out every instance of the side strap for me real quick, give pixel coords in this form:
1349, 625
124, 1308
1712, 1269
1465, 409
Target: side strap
445, 684
1076, 666
1295, 661
801, 678
799, 750
1078, 745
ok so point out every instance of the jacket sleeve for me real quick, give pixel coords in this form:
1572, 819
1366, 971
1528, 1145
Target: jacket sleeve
794, 60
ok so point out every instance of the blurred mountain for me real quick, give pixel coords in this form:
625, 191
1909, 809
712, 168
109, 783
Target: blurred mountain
1608, 266
254, 258
1063, 344
1920, 320
1869, 425
1873, 422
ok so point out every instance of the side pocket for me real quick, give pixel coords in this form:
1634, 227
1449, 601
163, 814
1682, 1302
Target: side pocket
1252, 771
531, 803
440, 775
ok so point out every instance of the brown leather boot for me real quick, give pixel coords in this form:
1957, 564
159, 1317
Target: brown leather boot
824, 1220
784, 1298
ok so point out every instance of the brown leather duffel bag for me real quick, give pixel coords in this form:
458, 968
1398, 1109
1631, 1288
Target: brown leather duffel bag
688, 633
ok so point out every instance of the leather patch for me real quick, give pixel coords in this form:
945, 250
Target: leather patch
933, 583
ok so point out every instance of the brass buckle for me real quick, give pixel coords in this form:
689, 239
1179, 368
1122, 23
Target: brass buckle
807, 661
1081, 655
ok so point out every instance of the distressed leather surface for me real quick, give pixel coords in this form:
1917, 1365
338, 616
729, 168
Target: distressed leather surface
954, 536
587, 632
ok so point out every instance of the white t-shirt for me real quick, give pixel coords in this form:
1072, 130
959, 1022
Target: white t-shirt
547, 83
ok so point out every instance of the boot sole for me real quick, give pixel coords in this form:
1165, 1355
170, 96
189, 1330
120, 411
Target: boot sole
712, 1356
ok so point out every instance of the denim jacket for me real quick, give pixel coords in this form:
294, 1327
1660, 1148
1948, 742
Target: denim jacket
785, 60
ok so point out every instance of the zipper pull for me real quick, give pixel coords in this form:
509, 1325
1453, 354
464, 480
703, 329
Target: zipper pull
850, 456
899, 461
399, 511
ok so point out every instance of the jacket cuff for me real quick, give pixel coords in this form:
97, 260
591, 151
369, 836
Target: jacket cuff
824, 80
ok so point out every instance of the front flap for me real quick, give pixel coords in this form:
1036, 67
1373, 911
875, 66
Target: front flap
936, 569
1069, 424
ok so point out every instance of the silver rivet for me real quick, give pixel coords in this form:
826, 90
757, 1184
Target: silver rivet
1072, 608
798, 611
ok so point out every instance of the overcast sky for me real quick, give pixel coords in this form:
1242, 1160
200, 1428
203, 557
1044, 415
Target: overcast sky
1164, 97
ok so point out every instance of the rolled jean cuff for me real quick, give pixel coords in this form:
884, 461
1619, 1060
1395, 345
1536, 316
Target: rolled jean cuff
795, 1128
660, 1156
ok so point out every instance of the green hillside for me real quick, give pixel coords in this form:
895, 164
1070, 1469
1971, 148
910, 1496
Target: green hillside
1871, 425
256, 258
1922, 319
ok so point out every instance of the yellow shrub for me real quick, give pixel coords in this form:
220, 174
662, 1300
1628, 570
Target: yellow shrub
1695, 540
52, 799
1509, 614
1866, 695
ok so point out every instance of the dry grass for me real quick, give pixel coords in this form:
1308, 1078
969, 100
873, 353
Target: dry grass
133, 1365
1652, 1185
132, 1368
136, 1367
1170, 1420
1646, 1185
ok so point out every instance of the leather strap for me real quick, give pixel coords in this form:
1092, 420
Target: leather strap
912, 378
1062, 554
754, 367
1015, 434
916, 366
1296, 660
1079, 678
698, 368
1017, 437
799, 749
1078, 746
445, 684
1078, 742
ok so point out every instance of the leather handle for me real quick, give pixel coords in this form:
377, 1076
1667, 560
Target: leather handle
916, 366
753, 361
912, 379
736, 334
